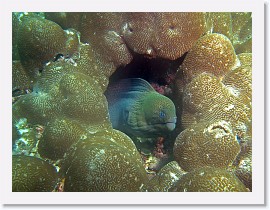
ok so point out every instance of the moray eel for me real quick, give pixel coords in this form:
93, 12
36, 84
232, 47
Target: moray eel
136, 109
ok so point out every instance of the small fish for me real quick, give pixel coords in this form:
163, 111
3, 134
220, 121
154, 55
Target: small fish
136, 109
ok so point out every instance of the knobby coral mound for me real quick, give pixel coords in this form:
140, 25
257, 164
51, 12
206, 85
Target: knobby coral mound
62, 93
166, 35
213, 94
209, 180
31, 174
239, 80
69, 66
212, 53
206, 98
58, 137
235, 25
106, 162
20, 78
166, 178
39, 40
206, 144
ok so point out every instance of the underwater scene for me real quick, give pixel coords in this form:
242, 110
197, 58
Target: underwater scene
131, 102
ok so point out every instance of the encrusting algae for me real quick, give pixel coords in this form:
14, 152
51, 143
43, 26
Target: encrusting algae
187, 123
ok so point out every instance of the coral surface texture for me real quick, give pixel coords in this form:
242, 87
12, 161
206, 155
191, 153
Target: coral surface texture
131, 102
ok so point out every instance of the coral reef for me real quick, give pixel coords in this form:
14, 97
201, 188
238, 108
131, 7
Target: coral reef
108, 161
243, 164
30, 174
206, 144
206, 98
212, 53
63, 66
151, 34
58, 137
209, 180
166, 178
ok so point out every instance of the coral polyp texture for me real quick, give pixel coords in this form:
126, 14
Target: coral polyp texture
31, 174
209, 180
185, 86
206, 144
107, 162
212, 53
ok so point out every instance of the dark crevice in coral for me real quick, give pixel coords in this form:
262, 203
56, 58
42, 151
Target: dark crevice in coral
155, 70
219, 127
58, 56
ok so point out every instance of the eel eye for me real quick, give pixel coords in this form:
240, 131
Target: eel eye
162, 114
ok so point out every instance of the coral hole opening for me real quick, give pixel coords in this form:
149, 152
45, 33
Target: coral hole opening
157, 71
160, 73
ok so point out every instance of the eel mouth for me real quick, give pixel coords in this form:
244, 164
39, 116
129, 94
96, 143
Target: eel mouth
170, 125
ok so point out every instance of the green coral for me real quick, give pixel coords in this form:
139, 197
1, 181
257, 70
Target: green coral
68, 99
107, 161
58, 137
166, 178
30, 174
206, 144
209, 180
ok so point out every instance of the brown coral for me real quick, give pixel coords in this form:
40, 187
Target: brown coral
209, 180
206, 98
240, 81
220, 22
245, 59
212, 53
20, 79
57, 138
206, 144
107, 162
166, 35
30, 174
39, 40
165, 178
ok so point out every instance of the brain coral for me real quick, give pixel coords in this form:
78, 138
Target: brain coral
209, 180
165, 178
69, 66
61, 93
206, 98
40, 40
206, 144
212, 53
57, 138
30, 174
166, 35
220, 22
20, 79
107, 161
239, 80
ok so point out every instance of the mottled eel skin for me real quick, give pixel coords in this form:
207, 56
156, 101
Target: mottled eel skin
136, 109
